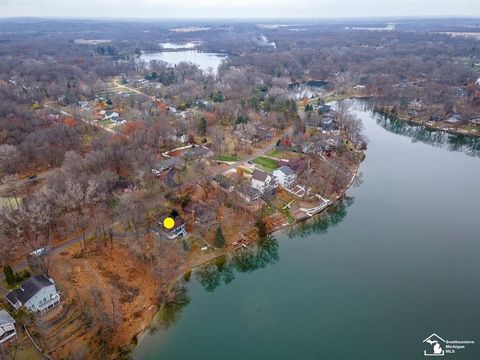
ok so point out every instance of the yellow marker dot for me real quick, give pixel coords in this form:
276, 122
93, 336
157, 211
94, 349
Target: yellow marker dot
169, 223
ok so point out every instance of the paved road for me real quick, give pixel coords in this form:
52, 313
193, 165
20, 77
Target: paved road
257, 153
22, 182
58, 249
81, 119
153, 98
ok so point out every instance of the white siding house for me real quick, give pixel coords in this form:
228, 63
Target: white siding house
7, 327
263, 181
285, 175
37, 294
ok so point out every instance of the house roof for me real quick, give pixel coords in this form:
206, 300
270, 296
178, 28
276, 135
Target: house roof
202, 212
259, 175
5, 318
197, 151
286, 170
28, 289
178, 223
249, 191
173, 161
325, 108
223, 181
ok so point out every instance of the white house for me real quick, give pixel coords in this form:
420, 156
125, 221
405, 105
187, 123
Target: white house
7, 327
263, 181
177, 230
110, 114
285, 176
38, 293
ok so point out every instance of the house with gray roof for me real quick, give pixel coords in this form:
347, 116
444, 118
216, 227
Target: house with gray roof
285, 175
247, 193
7, 327
224, 183
263, 181
168, 164
38, 293
197, 152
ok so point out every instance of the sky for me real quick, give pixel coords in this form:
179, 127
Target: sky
237, 8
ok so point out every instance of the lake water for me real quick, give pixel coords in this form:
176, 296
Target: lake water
395, 261
176, 46
204, 60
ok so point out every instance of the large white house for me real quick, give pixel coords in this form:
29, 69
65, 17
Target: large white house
263, 181
7, 327
285, 175
38, 293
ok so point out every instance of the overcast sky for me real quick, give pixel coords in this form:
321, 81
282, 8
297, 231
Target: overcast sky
237, 8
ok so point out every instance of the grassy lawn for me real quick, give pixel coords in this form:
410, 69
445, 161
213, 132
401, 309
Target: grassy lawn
9, 287
266, 163
246, 170
28, 353
286, 213
275, 153
267, 210
104, 122
229, 158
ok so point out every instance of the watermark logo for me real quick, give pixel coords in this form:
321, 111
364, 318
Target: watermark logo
437, 346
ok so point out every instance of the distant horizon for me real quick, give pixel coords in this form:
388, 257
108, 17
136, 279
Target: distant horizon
238, 9
248, 19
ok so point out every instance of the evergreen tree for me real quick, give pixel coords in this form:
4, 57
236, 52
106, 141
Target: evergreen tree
9, 276
202, 126
219, 238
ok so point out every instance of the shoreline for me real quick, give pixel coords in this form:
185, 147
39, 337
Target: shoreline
137, 338
431, 126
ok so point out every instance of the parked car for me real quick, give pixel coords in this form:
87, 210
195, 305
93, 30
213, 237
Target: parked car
39, 252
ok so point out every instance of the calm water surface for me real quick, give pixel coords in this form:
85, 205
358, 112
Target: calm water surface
397, 260
205, 61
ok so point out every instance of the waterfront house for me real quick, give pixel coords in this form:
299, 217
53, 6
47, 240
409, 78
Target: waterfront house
455, 118
110, 114
285, 175
436, 117
475, 121
7, 327
177, 230
263, 181
118, 120
247, 193
38, 293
